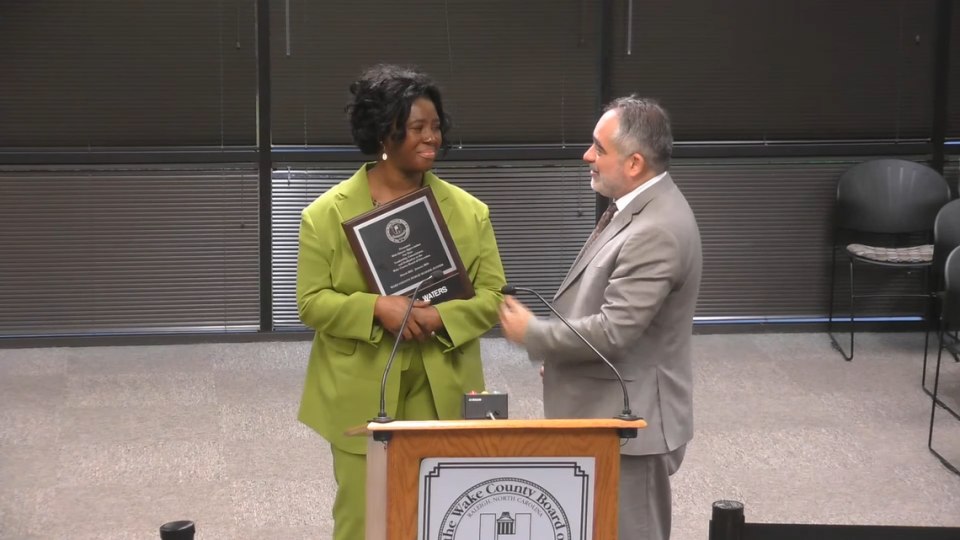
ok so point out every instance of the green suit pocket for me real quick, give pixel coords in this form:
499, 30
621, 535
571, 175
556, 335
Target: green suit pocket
343, 347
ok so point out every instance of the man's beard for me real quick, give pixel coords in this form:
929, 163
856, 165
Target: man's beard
602, 185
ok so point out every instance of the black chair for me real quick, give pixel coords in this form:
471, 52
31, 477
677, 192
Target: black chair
949, 322
946, 237
895, 199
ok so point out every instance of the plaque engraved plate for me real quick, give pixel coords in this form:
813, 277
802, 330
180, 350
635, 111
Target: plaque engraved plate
403, 242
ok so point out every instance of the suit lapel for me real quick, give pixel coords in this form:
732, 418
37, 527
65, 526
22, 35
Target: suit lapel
441, 193
617, 224
353, 196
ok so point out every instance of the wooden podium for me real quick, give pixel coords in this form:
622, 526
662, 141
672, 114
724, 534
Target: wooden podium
494, 479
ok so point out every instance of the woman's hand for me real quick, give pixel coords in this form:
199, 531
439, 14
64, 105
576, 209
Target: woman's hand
389, 310
428, 318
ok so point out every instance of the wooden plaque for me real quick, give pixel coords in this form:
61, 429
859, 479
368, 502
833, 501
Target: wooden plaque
403, 242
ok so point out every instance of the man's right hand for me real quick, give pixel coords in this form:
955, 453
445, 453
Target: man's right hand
389, 310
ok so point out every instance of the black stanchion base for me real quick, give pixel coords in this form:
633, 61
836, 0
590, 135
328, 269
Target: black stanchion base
178, 530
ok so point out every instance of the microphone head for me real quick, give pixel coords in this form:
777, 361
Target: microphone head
437, 275
508, 290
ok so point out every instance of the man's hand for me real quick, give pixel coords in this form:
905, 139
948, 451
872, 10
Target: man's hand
389, 310
541, 372
514, 317
428, 318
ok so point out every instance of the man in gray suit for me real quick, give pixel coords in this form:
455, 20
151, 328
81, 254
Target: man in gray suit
631, 293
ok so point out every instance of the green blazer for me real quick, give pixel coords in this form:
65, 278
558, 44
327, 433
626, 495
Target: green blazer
350, 349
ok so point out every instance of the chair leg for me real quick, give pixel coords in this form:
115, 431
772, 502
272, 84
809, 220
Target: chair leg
932, 286
934, 402
833, 340
933, 395
933, 315
923, 375
853, 311
833, 282
926, 348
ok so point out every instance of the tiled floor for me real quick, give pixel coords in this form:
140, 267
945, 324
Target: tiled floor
109, 443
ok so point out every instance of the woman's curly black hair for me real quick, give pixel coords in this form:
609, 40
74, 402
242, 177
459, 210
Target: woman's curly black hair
382, 97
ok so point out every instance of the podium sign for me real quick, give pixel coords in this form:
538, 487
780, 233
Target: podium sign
534, 498
494, 479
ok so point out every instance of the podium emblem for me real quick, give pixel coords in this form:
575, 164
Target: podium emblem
398, 230
506, 499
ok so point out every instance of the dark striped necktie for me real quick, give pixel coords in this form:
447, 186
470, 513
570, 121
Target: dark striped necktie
602, 224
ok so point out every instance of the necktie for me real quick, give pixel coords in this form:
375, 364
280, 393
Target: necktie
602, 224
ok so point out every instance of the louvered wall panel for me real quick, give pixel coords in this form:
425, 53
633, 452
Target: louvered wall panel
293, 189
766, 229
121, 251
495, 60
542, 213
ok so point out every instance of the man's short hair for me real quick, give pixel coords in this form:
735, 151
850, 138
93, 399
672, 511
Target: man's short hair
644, 129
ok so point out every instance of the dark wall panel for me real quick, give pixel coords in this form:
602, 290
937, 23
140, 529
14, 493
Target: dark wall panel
760, 70
511, 72
953, 95
101, 251
101, 73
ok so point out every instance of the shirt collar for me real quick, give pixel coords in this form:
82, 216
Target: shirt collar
622, 202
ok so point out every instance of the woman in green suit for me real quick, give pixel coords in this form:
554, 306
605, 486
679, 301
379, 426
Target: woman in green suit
396, 114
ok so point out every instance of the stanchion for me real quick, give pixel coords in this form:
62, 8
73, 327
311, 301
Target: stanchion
726, 523
177, 530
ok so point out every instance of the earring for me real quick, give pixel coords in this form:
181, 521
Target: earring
384, 156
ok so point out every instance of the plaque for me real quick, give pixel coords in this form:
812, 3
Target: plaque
401, 243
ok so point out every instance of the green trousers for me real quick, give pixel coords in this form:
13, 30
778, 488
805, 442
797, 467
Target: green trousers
350, 470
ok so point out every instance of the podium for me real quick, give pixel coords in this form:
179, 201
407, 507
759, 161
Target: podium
494, 479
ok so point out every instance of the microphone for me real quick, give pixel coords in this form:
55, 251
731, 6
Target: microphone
382, 415
511, 290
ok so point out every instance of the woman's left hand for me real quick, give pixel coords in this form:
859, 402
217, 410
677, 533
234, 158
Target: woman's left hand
428, 318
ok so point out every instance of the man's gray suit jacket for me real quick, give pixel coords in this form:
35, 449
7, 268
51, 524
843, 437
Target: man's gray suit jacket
632, 294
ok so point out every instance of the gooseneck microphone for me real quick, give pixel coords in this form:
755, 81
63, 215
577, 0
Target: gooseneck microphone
510, 290
382, 415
